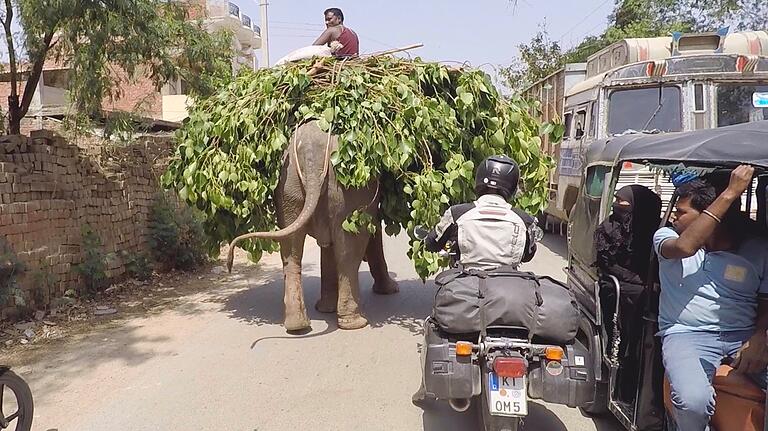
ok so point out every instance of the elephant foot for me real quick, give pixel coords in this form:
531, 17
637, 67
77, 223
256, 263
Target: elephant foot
354, 321
296, 322
326, 305
387, 288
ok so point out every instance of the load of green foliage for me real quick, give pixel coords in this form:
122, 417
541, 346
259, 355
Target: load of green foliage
419, 127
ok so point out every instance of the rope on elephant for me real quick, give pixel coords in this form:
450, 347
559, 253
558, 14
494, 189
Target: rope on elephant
326, 161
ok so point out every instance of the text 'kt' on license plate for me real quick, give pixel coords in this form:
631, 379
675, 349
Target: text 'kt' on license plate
507, 396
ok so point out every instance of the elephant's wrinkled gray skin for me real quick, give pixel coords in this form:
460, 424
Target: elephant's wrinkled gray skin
309, 200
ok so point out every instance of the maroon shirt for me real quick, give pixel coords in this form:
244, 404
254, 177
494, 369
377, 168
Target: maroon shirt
351, 43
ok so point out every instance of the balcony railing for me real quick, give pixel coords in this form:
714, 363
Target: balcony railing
234, 9
246, 20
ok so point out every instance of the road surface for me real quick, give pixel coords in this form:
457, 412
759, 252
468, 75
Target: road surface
219, 360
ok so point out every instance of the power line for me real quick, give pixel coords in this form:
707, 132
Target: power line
583, 19
285, 27
585, 34
305, 24
295, 35
377, 41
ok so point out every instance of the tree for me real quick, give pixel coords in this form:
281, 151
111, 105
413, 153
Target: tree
104, 44
634, 18
630, 18
538, 59
739, 15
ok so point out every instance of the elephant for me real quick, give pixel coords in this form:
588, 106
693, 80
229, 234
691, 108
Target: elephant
310, 201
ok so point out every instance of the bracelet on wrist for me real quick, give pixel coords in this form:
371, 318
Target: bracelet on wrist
711, 214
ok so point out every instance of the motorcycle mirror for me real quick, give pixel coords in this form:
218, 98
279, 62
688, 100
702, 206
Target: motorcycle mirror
420, 233
538, 234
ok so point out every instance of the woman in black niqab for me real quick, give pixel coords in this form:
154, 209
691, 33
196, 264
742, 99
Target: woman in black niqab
624, 240
624, 243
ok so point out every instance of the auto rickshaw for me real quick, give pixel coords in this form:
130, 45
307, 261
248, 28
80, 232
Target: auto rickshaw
610, 164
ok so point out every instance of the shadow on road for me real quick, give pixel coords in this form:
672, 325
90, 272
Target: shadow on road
52, 374
440, 417
262, 304
556, 244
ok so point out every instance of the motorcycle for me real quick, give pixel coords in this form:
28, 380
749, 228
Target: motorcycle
499, 369
21, 403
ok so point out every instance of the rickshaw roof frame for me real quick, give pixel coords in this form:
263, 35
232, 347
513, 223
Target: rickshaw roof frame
706, 147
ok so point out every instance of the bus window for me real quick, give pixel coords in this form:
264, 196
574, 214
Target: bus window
698, 97
593, 120
581, 119
735, 104
567, 122
633, 108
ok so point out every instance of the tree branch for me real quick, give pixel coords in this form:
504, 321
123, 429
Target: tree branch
11, 49
35, 73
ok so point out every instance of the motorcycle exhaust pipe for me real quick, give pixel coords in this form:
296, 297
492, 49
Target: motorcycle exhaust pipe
460, 404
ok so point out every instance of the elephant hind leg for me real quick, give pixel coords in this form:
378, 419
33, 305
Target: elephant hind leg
383, 284
292, 251
329, 282
349, 250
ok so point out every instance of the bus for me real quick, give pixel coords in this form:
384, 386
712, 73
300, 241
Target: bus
654, 85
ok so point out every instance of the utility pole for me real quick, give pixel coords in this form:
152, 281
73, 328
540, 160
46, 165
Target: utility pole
264, 34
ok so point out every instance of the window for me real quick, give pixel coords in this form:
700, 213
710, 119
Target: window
638, 109
581, 119
698, 97
735, 104
567, 122
596, 181
593, 120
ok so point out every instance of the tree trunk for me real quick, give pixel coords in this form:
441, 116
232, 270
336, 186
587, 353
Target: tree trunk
14, 121
14, 115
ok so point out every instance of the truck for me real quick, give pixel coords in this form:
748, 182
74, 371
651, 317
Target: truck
649, 85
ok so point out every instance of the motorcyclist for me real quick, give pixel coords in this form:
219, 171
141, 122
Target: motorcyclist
489, 232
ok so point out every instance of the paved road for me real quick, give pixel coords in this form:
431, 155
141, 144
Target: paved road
219, 360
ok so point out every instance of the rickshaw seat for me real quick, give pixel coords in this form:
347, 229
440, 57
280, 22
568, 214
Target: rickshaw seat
739, 402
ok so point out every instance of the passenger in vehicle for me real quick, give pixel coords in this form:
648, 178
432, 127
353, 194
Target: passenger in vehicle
714, 295
579, 130
624, 243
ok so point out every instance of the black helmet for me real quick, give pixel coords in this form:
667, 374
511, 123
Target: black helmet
497, 174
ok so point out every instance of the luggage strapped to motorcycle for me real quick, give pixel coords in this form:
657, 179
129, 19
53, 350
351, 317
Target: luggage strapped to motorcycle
482, 275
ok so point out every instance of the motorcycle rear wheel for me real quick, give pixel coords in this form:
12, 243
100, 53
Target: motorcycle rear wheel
21, 418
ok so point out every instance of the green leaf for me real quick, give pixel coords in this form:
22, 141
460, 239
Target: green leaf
546, 129
497, 140
328, 115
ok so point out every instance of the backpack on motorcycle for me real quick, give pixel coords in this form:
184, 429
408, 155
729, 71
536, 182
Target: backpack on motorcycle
546, 307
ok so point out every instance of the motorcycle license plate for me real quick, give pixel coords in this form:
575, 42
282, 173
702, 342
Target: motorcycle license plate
507, 396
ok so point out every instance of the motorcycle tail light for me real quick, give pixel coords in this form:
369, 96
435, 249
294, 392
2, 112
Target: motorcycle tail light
510, 366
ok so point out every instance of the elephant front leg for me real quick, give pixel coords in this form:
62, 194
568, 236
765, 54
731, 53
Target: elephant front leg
329, 287
349, 250
292, 251
383, 284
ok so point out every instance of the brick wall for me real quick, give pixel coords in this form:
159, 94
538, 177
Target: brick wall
49, 190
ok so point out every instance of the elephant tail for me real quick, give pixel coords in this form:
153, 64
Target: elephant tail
311, 199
